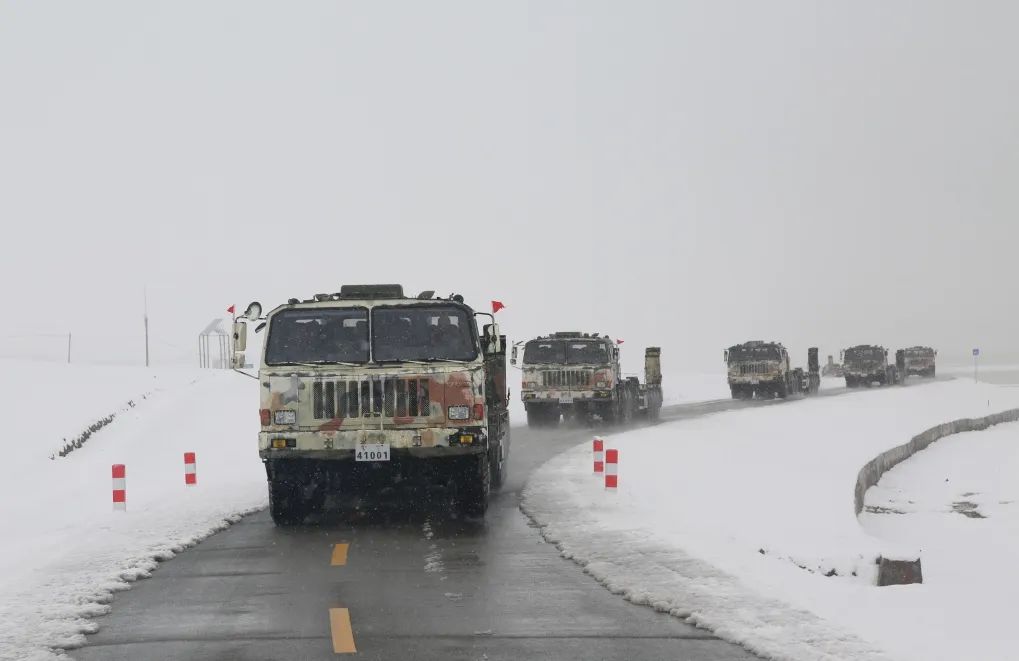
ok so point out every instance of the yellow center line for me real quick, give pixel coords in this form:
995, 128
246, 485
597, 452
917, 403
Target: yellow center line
343, 635
339, 554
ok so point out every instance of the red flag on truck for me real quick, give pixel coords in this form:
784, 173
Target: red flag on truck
496, 306
620, 341
231, 309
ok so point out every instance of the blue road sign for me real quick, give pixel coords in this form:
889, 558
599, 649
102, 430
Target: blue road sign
976, 352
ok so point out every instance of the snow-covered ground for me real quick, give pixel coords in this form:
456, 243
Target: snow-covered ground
958, 500
65, 550
736, 520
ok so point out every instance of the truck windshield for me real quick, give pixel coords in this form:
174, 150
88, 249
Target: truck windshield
743, 353
568, 352
319, 335
864, 353
545, 352
578, 353
422, 332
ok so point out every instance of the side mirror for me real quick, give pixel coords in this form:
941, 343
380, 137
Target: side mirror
725, 356
254, 311
493, 341
842, 355
240, 336
513, 355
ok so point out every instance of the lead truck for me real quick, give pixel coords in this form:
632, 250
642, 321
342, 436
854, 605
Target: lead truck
367, 386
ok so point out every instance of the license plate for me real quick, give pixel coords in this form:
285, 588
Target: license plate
372, 452
565, 400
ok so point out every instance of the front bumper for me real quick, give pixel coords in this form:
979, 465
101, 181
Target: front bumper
754, 379
423, 442
565, 396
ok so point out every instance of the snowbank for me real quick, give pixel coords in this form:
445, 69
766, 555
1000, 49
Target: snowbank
744, 522
958, 500
70, 550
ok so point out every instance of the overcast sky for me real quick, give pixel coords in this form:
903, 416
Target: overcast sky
689, 174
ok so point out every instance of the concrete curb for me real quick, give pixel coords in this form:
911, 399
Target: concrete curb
895, 572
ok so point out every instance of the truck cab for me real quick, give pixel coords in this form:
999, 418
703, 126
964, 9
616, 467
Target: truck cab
758, 367
866, 364
368, 382
572, 375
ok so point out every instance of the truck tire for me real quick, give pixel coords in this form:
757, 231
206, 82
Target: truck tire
737, 392
782, 390
475, 487
286, 507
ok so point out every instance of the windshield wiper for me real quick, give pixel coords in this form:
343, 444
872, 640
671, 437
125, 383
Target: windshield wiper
319, 363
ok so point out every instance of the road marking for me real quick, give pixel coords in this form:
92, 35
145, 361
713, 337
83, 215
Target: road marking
340, 554
343, 635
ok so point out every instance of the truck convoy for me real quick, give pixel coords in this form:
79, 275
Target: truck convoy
917, 361
866, 364
366, 385
763, 369
577, 376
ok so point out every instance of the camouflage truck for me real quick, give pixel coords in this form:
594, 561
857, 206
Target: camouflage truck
765, 370
368, 386
866, 364
574, 375
917, 361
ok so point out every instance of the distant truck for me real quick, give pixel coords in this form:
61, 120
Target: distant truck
368, 385
577, 376
917, 361
765, 370
866, 364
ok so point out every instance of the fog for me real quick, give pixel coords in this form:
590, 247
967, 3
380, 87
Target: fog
684, 174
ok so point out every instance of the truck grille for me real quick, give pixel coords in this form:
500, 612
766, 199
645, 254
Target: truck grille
566, 378
392, 398
754, 368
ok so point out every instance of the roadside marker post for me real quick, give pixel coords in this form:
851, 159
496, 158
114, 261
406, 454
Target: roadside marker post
612, 469
976, 359
599, 455
119, 488
190, 469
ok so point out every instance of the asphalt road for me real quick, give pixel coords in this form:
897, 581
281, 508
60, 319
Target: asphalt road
399, 584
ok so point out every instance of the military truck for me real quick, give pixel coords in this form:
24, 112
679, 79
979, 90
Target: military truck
866, 364
577, 376
917, 361
368, 386
764, 369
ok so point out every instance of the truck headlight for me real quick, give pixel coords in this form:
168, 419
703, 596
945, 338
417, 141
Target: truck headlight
285, 417
458, 412
601, 384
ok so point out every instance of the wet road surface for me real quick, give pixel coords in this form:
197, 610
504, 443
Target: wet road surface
399, 584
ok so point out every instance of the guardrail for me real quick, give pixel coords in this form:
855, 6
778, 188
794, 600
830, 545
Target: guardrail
897, 571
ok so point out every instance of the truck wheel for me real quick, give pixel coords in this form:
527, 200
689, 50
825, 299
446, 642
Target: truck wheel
285, 503
737, 392
782, 391
475, 487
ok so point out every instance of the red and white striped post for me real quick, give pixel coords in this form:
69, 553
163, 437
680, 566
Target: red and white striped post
119, 487
190, 469
599, 455
612, 469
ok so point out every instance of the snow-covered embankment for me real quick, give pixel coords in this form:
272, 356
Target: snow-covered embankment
64, 548
744, 522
